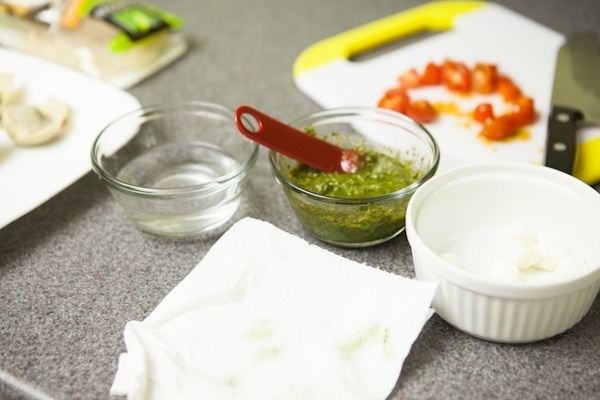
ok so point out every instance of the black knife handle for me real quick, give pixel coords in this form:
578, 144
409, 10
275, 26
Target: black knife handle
561, 143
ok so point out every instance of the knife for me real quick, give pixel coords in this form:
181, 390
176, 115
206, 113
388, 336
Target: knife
575, 98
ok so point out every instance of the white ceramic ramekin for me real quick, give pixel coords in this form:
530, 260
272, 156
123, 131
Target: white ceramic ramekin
466, 204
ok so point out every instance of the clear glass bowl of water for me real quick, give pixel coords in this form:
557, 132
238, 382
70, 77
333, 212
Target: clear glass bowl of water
177, 169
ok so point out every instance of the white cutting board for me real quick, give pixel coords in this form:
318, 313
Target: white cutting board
467, 31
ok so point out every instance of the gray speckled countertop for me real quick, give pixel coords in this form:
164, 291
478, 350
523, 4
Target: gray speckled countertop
74, 271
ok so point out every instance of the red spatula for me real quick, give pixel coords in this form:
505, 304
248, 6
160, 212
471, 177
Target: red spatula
293, 143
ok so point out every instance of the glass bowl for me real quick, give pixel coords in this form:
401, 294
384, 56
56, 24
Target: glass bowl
176, 169
355, 220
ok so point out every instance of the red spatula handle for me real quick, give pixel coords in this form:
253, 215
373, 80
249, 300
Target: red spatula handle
289, 141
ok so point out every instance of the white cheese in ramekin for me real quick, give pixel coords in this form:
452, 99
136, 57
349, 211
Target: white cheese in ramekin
521, 256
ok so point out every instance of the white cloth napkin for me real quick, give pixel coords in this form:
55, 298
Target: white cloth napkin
266, 315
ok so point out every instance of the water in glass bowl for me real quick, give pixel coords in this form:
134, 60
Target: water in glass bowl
208, 200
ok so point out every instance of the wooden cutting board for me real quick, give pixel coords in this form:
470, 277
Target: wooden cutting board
356, 67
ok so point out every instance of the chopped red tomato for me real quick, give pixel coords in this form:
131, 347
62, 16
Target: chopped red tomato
523, 111
456, 76
410, 79
421, 111
499, 128
484, 79
395, 99
432, 75
483, 113
508, 89
397, 91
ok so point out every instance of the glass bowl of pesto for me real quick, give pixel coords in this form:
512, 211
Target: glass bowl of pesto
366, 207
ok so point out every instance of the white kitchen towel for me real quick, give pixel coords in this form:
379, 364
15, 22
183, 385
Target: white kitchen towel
266, 315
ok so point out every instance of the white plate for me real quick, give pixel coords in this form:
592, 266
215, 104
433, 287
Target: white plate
31, 175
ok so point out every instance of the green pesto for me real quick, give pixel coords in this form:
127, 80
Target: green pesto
379, 174
360, 224
350, 225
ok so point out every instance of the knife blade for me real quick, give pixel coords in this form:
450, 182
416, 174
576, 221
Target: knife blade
575, 98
